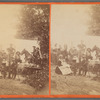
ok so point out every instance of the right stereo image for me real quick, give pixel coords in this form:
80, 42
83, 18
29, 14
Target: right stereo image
75, 49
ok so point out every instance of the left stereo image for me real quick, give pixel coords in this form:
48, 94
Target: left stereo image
24, 49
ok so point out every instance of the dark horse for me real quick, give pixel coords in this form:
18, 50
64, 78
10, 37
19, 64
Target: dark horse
27, 55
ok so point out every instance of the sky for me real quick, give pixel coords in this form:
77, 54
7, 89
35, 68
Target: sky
69, 25
9, 20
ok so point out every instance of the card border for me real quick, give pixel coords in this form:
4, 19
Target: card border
49, 95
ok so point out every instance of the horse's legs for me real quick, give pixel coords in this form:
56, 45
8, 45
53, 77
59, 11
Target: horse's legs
9, 74
18, 77
4, 74
80, 71
88, 72
85, 72
14, 75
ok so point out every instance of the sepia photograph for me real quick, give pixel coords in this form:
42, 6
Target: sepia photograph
75, 49
24, 49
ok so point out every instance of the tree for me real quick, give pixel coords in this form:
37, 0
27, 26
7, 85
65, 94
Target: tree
34, 25
94, 25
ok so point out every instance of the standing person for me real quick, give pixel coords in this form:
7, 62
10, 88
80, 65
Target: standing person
83, 67
54, 56
17, 57
81, 52
14, 69
82, 49
11, 52
71, 51
4, 69
74, 66
88, 54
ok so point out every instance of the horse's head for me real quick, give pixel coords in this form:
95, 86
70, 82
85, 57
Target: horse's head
95, 48
26, 53
23, 51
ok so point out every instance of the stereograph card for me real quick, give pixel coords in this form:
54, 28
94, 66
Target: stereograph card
49, 50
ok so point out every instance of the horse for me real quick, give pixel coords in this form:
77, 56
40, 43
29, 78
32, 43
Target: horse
16, 70
20, 69
28, 56
94, 67
97, 50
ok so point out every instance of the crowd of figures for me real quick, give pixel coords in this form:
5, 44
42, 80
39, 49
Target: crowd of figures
11, 59
81, 58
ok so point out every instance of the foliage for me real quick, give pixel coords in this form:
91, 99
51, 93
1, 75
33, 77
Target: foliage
34, 25
39, 78
94, 25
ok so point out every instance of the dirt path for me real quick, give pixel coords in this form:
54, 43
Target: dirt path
15, 87
77, 85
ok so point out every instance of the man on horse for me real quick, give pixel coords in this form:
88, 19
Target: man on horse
35, 54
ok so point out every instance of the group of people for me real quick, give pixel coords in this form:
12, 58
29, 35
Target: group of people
10, 59
78, 57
